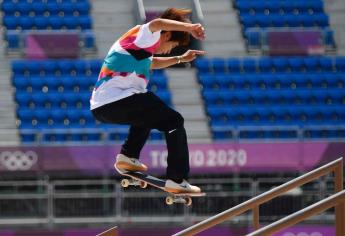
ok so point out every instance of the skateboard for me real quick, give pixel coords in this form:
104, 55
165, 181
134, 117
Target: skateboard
137, 178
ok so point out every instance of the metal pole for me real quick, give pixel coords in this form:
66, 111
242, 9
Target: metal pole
256, 217
301, 215
339, 208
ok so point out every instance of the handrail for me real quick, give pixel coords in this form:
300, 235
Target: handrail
254, 203
109, 232
301, 215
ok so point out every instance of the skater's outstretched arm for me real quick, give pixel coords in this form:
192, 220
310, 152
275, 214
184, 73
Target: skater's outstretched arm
163, 62
196, 30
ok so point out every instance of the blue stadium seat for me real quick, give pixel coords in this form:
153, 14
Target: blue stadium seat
321, 19
248, 21
24, 8
55, 22
85, 22
41, 22
306, 20
249, 65
311, 64
253, 38
243, 6
71, 22
12, 40
272, 6
39, 8
291, 20
68, 9
280, 64
23, 99
202, 64
53, 8
95, 66
83, 8
233, 65
40, 100
263, 20
277, 20
88, 39
340, 64
9, 8
265, 64
326, 64
10, 22
296, 64
218, 64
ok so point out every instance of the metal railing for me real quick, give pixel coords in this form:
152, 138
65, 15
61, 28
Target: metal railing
254, 203
57, 202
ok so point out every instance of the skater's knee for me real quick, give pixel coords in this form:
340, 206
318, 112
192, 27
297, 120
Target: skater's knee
178, 120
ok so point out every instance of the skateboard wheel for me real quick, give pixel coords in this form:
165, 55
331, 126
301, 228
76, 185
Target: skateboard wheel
143, 184
169, 200
125, 183
188, 201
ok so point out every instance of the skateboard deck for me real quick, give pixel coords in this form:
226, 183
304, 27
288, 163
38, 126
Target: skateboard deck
141, 179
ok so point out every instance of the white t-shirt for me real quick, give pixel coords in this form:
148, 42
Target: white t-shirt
126, 68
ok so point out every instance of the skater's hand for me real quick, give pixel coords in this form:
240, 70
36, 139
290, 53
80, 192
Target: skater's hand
190, 55
198, 31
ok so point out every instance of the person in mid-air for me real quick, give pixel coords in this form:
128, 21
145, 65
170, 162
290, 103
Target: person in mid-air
120, 95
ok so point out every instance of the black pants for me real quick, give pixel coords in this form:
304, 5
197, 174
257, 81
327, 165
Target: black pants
143, 112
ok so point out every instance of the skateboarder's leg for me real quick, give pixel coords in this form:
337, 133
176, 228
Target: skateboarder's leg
135, 141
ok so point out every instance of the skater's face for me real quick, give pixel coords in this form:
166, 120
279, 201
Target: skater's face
166, 46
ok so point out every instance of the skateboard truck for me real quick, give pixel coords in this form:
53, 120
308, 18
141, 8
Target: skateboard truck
133, 182
169, 200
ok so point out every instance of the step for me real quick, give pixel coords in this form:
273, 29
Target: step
119, 18
215, 6
186, 97
217, 19
230, 50
191, 112
106, 6
199, 140
162, 5
228, 34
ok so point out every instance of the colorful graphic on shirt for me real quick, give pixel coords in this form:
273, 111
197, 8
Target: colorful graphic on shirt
126, 68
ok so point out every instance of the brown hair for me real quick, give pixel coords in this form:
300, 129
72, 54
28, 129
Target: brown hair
181, 15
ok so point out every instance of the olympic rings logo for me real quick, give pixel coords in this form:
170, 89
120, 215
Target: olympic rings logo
18, 160
303, 234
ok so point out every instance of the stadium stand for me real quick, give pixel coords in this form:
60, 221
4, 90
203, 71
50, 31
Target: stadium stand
285, 94
53, 99
259, 17
21, 17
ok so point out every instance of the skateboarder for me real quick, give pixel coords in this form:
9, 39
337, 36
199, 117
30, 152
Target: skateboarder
120, 95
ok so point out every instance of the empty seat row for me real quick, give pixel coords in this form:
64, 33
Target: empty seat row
56, 67
69, 83
65, 100
272, 81
287, 133
53, 100
47, 9
43, 23
278, 115
83, 135
44, 1
274, 64
274, 97
276, 6
258, 38
287, 20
